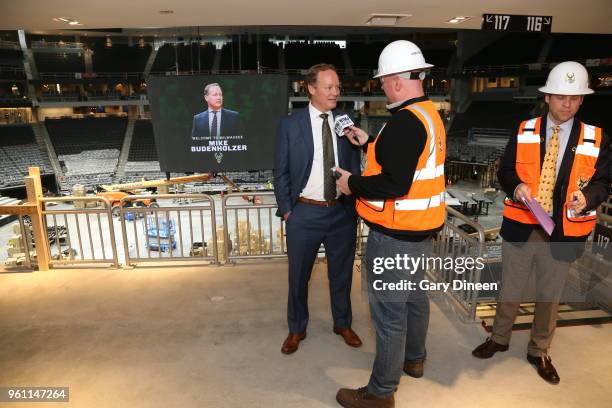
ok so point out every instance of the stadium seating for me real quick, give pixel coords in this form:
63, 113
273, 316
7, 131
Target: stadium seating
59, 61
230, 56
510, 49
72, 136
580, 47
497, 115
11, 64
230, 60
458, 149
595, 110
143, 143
18, 151
88, 168
303, 56
269, 55
187, 57
120, 58
364, 56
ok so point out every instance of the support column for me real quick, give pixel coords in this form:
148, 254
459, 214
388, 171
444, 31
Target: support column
34, 191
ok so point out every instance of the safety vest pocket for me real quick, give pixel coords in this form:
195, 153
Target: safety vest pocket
572, 216
525, 170
374, 205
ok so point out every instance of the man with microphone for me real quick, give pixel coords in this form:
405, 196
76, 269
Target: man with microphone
400, 196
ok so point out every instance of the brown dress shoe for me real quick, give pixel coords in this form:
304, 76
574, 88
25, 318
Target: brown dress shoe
291, 343
545, 368
361, 398
488, 348
350, 337
414, 368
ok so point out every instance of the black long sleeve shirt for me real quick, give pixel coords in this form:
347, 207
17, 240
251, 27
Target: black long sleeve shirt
399, 146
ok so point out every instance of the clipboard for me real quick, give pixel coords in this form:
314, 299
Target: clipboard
543, 218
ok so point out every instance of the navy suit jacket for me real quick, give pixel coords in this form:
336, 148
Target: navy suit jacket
231, 124
293, 159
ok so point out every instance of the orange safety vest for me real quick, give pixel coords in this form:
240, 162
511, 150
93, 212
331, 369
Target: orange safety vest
423, 207
528, 170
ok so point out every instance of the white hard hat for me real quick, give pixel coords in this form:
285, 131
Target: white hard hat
400, 56
567, 78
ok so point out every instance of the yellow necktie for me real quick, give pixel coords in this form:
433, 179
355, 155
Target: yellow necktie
548, 175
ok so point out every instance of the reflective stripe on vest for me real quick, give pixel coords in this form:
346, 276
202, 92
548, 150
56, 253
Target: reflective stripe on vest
527, 169
587, 147
528, 136
413, 203
419, 203
429, 172
583, 168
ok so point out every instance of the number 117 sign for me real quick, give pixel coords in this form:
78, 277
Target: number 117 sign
516, 23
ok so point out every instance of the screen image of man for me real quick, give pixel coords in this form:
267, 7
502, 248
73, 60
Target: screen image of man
561, 163
216, 121
400, 196
314, 211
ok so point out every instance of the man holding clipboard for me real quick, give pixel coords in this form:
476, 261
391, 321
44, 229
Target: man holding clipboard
557, 167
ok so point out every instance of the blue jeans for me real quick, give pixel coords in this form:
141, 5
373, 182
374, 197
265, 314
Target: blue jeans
400, 318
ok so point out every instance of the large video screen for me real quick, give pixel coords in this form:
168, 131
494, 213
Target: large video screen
216, 123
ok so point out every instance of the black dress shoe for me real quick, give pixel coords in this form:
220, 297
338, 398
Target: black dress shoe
545, 368
488, 348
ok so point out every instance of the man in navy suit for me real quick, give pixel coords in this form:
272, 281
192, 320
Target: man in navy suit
314, 211
216, 121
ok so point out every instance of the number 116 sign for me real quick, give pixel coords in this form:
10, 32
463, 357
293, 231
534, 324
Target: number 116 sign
516, 23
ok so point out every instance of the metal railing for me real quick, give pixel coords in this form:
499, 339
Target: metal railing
258, 233
455, 242
158, 231
20, 246
26, 241
68, 231
183, 227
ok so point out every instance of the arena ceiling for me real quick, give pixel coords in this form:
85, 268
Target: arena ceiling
570, 16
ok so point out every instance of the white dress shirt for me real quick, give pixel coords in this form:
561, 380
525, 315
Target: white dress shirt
314, 186
210, 119
564, 133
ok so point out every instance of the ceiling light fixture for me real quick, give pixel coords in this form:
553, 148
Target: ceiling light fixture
458, 19
166, 11
66, 20
385, 19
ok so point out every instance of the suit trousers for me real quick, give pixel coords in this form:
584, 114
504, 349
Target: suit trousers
308, 227
518, 265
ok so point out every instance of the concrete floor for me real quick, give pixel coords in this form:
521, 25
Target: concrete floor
211, 337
